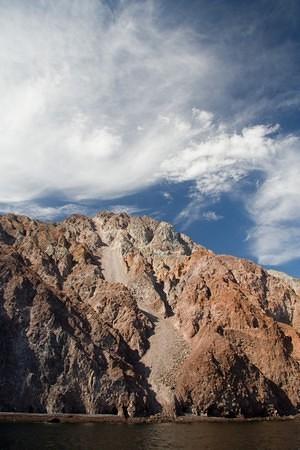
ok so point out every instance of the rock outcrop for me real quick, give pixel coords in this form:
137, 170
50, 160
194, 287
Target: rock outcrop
122, 315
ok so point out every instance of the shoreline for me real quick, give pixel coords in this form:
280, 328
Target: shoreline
13, 417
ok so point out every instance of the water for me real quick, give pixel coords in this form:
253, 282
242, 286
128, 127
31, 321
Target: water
199, 436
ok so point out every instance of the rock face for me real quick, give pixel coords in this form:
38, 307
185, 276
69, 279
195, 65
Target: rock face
122, 315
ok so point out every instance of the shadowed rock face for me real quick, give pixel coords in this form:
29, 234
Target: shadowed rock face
122, 315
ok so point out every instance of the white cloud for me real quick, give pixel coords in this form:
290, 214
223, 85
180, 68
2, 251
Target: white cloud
168, 196
129, 209
217, 158
211, 216
275, 238
41, 212
98, 105
219, 163
87, 97
192, 212
32, 209
195, 211
205, 118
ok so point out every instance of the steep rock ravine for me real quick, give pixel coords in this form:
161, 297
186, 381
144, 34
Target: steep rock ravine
159, 366
167, 351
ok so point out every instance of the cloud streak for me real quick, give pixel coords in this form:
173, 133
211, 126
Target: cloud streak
44, 212
274, 207
84, 96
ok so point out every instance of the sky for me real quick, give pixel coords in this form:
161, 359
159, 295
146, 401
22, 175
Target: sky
187, 111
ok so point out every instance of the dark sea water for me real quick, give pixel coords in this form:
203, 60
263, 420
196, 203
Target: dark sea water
200, 436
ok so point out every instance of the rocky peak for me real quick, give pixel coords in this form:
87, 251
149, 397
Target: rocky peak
142, 233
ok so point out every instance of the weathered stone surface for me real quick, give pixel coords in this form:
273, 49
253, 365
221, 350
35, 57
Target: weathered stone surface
122, 315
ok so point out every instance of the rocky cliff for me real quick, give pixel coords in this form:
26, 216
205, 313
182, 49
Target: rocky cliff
122, 315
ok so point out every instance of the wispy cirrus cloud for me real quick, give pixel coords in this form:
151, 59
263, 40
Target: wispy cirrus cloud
94, 103
129, 209
41, 212
275, 238
86, 95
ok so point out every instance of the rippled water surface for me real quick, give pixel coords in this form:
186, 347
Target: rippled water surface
200, 436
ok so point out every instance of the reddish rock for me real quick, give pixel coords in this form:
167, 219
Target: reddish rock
119, 314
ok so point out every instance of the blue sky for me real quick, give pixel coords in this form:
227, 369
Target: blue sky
187, 111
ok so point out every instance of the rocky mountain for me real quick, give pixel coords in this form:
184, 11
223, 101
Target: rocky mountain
293, 282
123, 315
